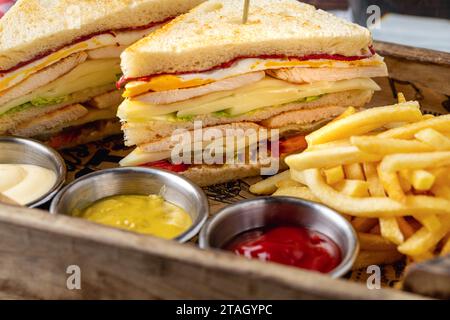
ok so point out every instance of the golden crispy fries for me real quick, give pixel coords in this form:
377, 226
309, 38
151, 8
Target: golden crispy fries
328, 145
404, 183
429, 221
434, 139
369, 258
406, 229
298, 176
330, 158
288, 183
390, 229
334, 175
296, 192
446, 248
373, 242
365, 121
364, 224
401, 97
441, 124
422, 180
268, 186
394, 180
423, 257
347, 113
354, 172
391, 184
424, 240
415, 161
353, 188
375, 187
389, 146
375, 207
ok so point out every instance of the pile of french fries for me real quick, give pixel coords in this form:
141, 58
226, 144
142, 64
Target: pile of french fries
387, 170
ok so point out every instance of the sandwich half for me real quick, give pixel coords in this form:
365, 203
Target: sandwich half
60, 60
291, 68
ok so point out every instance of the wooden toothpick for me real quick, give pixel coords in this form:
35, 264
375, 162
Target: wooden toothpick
246, 8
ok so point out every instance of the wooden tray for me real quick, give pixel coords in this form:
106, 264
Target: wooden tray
37, 248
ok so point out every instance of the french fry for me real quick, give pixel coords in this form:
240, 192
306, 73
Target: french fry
415, 161
334, 175
347, 113
441, 191
369, 258
328, 145
406, 229
389, 146
441, 124
288, 183
375, 207
446, 248
434, 139
364, 224
365, 121
423, 257
354, 172
353, 188
374, 242
390, 230
391, 184
268, 186
422, 180
296, 192
401, 97
298, 176
375, 187
329, 158
404, 183
429, 221
424, 240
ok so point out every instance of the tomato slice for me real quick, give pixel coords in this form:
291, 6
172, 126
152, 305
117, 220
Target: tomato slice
63, 139
293, 144
164, 164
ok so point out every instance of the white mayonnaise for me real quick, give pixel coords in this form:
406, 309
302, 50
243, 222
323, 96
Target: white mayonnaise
25, 183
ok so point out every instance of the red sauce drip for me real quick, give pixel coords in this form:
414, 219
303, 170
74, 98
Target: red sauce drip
124, 80
166, 165
81, 39
293, 246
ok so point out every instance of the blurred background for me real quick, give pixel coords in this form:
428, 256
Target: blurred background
418, 23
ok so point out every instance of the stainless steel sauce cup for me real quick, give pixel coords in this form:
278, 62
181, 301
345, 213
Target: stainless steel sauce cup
15, 150
135, 180
272, 211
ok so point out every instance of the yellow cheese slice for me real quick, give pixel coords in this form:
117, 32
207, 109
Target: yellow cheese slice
265, 93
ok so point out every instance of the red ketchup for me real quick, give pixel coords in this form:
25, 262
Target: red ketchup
292, 246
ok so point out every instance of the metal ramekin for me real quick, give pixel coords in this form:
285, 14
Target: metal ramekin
267, 211
17, 150
135, 180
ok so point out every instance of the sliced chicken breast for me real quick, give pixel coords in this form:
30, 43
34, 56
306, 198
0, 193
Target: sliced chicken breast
51, 120
43, 77
110, 52
171, 96
309, 75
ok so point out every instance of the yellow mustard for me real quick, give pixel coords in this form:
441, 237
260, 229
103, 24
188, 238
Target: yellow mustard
142, 214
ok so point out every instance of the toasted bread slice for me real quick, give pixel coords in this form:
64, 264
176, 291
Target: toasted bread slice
213, 33
33, 27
